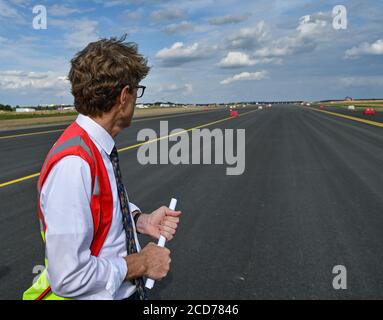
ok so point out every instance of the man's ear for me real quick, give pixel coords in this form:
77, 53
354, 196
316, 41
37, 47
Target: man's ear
124, 95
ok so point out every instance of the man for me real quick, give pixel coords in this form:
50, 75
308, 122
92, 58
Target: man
88, 224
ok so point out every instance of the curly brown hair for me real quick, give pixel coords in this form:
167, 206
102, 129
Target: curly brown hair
100, 72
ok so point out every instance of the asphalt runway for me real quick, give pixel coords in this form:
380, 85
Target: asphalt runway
310, 199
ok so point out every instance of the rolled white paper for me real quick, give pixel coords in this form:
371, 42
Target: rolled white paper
161, 243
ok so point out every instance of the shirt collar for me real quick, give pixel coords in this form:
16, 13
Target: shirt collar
97, 132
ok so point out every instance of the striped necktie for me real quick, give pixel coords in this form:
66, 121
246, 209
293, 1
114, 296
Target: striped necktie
127, 220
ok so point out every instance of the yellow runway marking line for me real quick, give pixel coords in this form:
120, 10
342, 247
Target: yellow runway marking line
5, 184
134, 121
30, 134
2, 185
373, 123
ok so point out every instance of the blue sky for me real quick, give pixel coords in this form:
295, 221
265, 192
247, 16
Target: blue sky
200, 50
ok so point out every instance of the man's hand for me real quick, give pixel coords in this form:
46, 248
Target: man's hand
152, 262
162, 221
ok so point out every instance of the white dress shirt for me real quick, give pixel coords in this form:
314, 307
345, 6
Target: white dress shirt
65, 203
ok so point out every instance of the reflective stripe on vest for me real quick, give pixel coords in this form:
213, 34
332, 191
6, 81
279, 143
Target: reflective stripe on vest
73, 142
96, 189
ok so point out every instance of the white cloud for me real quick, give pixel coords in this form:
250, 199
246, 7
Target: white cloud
246, 76
237, 59
25, 53
84, 31
21, 3
179, 27
312, 29
179, 54
312, 25
167, 14
166, 88
188, 89
7, 11
218, 21
59, 10
134, 15
113, 3
366, 48
16, 80
275, 51
248, 38
78, 33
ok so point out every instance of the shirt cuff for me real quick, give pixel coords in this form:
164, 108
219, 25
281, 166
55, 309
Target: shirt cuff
119, 270
133, 207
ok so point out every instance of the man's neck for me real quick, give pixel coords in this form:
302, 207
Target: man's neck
109, 123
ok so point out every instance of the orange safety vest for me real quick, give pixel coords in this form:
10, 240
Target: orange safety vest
75, 141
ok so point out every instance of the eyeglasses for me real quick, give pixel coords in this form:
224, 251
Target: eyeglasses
140, 91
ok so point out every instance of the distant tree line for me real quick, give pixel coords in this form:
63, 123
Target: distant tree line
5, 107
41, 108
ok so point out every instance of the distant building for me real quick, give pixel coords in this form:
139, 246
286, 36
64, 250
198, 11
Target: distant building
349, 99
69, 108
142, 106
25, 110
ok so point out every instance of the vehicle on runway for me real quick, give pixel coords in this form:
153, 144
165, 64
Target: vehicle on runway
369, 112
